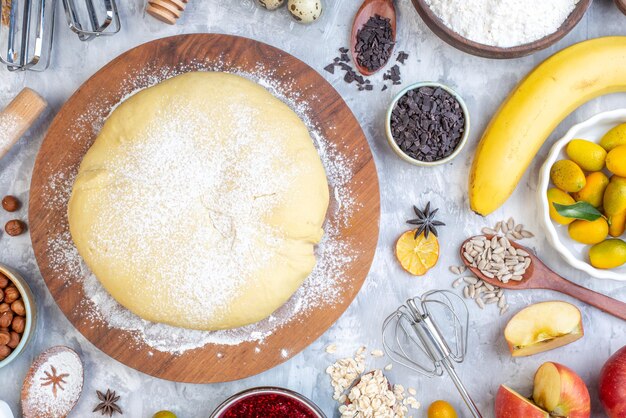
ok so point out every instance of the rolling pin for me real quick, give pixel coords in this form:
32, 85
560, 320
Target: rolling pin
18, 116
167, 11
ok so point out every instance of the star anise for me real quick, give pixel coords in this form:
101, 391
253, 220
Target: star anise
55, 380
425, 221
108, 403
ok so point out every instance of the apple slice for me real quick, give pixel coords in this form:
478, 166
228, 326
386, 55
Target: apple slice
510, 404
542, 327
561, 391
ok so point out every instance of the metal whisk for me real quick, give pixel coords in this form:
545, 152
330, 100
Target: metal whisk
27, 28
413, 336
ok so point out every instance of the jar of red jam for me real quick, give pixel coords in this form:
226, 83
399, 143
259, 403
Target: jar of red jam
268, 402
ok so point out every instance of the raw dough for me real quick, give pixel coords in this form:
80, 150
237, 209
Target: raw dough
200, 202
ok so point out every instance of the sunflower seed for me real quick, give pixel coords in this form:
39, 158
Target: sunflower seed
455, 270
489, 286
472, 291
488, 231
527, 234
470, 280
510, 224
491, 300
466, 292
502, 302
480, 303
505, 228
498, 226
457, 282
504, 309
468, 257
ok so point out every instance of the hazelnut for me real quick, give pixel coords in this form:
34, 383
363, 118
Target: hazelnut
4, 307
15, 339
4, 281
5, 337
1, 295
11, 294
18, 307
18, 324
4, 352
6, 318
10, 203
15, 227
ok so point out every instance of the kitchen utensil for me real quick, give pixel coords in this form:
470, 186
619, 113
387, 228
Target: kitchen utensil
575, 253
621, 5
90, 20
488, 51
18, 116
168, 11
394, 146
28, 34
428, 335
72, 132
31, 312
370, 8
312, 409
539, 276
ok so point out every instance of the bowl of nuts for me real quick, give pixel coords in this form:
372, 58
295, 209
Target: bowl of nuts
18, 314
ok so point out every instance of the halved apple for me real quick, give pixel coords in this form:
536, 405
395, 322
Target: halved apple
542, 327
561, 391
510, 404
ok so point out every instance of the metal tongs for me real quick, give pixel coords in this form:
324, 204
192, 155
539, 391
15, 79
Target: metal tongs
413, 336
27, 28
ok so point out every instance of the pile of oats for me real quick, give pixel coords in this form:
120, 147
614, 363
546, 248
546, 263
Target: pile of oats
370, 394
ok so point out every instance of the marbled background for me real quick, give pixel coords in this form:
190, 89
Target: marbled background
483, 83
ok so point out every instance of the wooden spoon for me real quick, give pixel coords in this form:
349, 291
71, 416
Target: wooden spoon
370, 8
539, 276
621, 5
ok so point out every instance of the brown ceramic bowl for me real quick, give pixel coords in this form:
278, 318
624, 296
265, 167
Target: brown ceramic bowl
451, 37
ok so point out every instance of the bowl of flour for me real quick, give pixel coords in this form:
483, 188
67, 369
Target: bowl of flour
501, 28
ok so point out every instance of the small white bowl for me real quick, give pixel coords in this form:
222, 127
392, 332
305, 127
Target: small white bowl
394, 146
574, 253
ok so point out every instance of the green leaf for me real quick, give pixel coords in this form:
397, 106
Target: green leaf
579, 210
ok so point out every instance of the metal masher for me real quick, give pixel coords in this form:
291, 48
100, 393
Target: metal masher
27, 28
415, 336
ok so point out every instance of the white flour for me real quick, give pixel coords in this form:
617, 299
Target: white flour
321, 288
503, 23
56, 385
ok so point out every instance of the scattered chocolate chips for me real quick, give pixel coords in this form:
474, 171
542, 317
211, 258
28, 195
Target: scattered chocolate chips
393, 74
402, 56
10, 203
427, 123
374, 43
15, 227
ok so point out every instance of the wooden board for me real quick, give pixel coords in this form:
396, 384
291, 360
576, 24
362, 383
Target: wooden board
70, 136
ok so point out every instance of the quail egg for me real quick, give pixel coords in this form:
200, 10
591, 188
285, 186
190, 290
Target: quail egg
305, 11
270, 4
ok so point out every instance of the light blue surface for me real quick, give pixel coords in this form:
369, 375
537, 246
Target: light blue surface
483, 83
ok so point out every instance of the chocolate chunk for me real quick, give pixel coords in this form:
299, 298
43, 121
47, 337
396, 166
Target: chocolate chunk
374, 43
427, 123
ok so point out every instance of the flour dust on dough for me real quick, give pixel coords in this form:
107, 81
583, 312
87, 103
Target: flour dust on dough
200, 202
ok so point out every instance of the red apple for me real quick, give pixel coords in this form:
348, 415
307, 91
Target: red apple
613, 385
510, 404
561, 391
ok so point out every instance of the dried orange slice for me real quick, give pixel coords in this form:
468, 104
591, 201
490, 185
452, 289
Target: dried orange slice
417, 255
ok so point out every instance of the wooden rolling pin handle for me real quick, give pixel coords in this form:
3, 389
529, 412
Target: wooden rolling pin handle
621, 5
18, 116
167, 11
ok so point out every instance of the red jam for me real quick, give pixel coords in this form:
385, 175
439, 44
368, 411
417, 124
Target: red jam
268, 405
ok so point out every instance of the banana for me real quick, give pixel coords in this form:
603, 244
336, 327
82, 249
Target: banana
534, 109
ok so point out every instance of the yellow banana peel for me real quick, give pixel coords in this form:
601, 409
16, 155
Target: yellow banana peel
534, 109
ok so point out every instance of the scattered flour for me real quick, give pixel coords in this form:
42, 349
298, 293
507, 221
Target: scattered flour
503, 23
323, 287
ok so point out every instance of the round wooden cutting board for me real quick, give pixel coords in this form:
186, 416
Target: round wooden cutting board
73, 131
